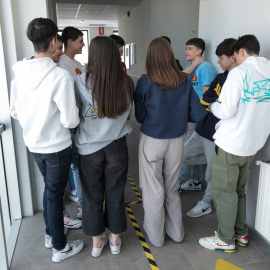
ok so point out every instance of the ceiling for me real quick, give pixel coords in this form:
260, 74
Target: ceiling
89, 15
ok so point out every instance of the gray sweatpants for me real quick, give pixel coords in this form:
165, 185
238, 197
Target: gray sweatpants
159, 166
199, 151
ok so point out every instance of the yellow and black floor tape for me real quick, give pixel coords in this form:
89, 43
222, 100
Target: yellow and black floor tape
135, 189
144, 245
137, 229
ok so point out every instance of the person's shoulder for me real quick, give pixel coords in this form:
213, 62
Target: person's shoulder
143, 79
62, 73
222, 75
206, 65
63, 58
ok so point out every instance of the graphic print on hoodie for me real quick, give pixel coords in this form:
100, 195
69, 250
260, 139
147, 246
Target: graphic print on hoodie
244, 108
260, 92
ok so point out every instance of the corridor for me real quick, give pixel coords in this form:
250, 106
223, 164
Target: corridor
30, 253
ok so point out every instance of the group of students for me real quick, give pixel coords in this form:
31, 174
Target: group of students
47, 103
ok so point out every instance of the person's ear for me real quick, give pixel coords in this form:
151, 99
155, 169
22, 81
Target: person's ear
53, 41
199, 52
69, 42
242, 52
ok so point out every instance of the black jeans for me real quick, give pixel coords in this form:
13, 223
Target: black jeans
103, 176
54, 168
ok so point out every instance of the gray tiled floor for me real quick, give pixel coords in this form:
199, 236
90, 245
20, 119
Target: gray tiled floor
30, 253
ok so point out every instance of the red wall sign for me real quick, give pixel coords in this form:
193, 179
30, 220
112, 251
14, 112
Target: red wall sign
101, 31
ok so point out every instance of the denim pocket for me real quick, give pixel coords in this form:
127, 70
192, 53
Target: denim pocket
53, 160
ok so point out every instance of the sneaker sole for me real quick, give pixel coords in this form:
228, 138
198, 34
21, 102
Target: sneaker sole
73, 227
226, 250
217, 249
95, 255
241, 244
70, 255
192, 189
208, 211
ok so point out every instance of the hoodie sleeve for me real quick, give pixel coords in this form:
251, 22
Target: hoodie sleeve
230, 96
140, 111
65, 99
77, 95
195, 107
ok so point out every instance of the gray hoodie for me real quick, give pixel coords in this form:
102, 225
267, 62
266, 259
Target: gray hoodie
95, 133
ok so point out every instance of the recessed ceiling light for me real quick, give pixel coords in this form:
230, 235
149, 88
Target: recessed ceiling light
82, 21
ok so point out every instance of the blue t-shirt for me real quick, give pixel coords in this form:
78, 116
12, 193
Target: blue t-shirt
203, 75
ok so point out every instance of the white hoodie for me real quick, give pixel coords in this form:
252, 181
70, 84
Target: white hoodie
43, 100
244, 108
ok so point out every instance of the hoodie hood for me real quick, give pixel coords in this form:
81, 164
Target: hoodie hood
31, 72
262, 65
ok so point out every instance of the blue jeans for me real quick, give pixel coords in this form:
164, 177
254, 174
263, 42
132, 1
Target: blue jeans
104, 175
185, 169
74, 177
54, 168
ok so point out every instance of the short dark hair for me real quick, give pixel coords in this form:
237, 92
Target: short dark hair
168, 39
59, 38
225, 47
41, 31
247, 42
198, 43
118, 40
72, 33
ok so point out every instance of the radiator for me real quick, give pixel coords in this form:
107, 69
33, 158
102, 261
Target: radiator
262, 221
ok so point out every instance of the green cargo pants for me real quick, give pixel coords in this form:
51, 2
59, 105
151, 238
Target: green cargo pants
229, 177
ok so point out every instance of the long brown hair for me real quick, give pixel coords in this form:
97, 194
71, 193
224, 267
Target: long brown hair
111, 88
161, 66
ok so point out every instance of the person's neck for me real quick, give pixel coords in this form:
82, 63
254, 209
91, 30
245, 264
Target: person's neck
69, 53
197, 61
232, 67
42, 55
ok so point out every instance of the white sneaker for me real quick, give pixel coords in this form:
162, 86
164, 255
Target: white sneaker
96, 252
115, 249
79, 215
200, 209
190, 185
48, 239
72, 223
215, 243
242, 240
72, 248
73, 195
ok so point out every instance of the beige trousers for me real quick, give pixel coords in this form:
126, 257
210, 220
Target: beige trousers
159, 166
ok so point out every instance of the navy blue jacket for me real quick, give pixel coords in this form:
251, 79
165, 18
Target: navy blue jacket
206, 127
164, 113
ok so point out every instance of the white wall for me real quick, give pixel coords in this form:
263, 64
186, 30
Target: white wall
177, 19
223, 19
233, 18
93, 31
